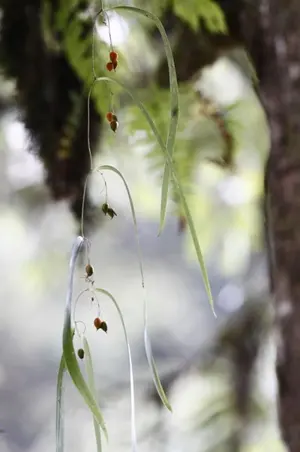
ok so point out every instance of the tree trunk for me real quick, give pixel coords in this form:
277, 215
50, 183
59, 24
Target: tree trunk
273, 40
271, 33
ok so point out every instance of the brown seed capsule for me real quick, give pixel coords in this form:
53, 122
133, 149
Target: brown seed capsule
105, 208
100, 324
111, 212
80, 353
104, 326
182, 223
114, 118
89, 270
114, 125
110, 66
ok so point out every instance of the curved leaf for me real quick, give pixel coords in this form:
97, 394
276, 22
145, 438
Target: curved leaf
147, 342
174, 105
177, 185
91, 383
132, 398
68, 348
60, 406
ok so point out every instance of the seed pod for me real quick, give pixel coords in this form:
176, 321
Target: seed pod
100, 324
97, 323
182, 223
110, 66
115, 64
109, 116
113, 57
104, 326
89, 270
114, 125
105, 208
80, 353
111, 212
114, 118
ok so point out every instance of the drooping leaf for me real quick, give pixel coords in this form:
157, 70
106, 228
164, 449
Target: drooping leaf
60, 406
91, 383
176, 182
132, 396
147, 342
68, 347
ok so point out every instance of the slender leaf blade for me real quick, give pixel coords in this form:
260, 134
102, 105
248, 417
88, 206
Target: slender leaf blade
177, 186
132, 395
91, 383
148, 348
174, 105
60, 406
155, 376
68, 347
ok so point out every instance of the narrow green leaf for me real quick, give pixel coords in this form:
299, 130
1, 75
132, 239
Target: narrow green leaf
60, 406
155, 376
177, 185
68, 348
132, 396
116, 171
174, 105
91, 383
147, 342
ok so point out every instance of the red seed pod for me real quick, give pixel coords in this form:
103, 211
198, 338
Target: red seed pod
114, 125
109, 116
110, 66
115, 64
113, 57
97, 323
100, 324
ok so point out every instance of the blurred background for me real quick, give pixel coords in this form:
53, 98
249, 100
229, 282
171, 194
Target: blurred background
218, 373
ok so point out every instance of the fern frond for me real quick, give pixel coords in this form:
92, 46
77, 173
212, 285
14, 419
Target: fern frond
207, 10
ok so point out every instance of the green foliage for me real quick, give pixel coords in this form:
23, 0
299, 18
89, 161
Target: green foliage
91, 383
193, 11
68, 347
132, 396
85, 54
177, 186
59, 406
180, 167
147, 341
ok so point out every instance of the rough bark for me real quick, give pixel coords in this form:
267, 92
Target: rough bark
270, 31
274, 42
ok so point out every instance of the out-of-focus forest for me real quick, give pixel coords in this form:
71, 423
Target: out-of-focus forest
231, 380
